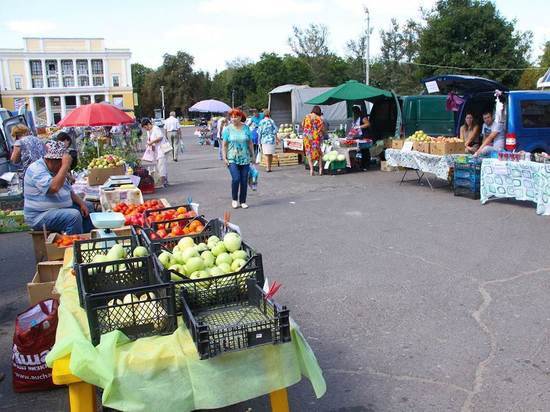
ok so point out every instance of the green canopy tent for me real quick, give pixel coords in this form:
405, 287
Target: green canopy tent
354, 93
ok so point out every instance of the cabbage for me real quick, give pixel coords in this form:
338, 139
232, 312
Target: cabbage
194, 264
140, 251
165, 258
218, 249
340, 157
232, 241
224, 258
188, 254
325, 158
332, 156
208, 258
185, 243
201, 247
237, 264
239, 254
224, 267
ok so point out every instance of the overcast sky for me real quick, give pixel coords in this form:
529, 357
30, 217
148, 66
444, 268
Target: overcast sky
217, 31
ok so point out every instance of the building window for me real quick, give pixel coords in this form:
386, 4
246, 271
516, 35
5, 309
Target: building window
97, 72
118, 100
36, 74
116, 80
82, 72
18, 82
51, 71
67, 72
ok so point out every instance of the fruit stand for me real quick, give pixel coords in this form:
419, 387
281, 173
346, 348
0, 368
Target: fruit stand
142, 342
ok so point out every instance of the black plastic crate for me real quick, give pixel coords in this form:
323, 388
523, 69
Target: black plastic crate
201, 291
239, 321
86, 250
472, 193
154, 225
136, 319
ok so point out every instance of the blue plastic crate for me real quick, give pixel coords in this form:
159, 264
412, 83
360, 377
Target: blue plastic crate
471, 184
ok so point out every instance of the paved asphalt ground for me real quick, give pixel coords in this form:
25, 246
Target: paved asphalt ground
412, 299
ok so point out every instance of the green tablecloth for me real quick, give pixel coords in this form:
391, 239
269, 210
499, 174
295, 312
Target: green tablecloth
521, 180
164, 373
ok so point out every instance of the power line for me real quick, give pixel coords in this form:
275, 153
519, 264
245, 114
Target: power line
474, 68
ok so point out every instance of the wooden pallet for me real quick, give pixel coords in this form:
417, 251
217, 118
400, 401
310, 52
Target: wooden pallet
281, 159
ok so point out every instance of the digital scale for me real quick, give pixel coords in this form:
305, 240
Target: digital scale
116, 181
105, 221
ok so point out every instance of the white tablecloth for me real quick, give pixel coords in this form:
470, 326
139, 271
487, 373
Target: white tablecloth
519, 180
437, 165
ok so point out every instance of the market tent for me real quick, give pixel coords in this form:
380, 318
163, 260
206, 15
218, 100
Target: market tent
210, 106
350, 91
95, 114
288, 104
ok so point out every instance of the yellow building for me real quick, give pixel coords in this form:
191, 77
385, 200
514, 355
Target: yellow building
52, 76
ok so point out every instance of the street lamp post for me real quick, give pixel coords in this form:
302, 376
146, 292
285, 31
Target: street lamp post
162, 100
367, 57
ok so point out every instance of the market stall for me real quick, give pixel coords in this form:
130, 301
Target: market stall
520, 180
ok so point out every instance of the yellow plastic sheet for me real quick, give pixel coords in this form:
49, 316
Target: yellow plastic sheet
164, 373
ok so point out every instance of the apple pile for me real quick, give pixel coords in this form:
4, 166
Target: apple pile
286, 131
204, 260
177, 229
420, 136
105, 162
133, 214
170, 214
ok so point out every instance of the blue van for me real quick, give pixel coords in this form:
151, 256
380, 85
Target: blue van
527, 112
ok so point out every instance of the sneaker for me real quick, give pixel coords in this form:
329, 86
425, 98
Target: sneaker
234, 204
244, 205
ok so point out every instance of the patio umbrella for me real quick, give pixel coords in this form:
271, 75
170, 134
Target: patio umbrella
210, 106
350, 91
95, 114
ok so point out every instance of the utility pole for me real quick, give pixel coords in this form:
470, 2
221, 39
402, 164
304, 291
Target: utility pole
162, 98
367, 57
232, 98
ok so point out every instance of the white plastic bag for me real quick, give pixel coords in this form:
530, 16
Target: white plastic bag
149, 155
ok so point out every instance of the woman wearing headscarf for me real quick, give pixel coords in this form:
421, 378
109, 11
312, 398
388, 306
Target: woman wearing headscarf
26, 149
313, 127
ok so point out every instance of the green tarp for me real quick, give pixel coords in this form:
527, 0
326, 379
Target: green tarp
164, 373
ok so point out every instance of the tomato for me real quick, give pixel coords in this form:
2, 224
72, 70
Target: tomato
162, 233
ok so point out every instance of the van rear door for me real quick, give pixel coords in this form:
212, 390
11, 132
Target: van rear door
461, 85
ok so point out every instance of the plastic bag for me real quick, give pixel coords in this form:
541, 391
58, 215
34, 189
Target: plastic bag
253, 176
33, 339
149, 155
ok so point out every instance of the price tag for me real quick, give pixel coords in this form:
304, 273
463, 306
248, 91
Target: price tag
407, 146
327, 164
432, 87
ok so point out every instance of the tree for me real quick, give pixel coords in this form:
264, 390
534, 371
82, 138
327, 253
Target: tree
356, 55
139, 71
311, 42
297, 70
530, 76
472, 33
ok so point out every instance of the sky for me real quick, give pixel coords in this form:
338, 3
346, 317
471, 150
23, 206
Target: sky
217, 31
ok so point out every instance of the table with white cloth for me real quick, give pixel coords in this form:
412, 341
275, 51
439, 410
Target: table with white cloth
523, 180
421, 163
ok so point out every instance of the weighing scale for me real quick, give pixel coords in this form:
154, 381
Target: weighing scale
117, 181
105, 221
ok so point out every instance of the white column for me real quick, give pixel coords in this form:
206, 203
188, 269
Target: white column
44, 77
2, 81
92, 98
128, 73
49, 114
59, 74
90, 73
28, 74
106, 74
32, 107
74, 74
63, 107
77, 100
6, 70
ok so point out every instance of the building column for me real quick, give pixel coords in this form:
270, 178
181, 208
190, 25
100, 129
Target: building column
90, 80
2, 82
92, 98
77, 100
49, 114
63, 107
32, 107
6, 70
28, 74
128, 73
74, 74
44, 77
106, 74
59, 74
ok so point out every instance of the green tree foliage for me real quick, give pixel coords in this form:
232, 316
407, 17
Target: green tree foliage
472, 33
530, 77
311, 42
139, 71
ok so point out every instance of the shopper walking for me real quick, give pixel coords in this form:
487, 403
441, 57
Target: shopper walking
155, 140
222, 123
238, 153
313, 127
172, 126
267, 134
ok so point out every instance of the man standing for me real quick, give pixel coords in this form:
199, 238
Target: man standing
49, 198
172, 126
493, 135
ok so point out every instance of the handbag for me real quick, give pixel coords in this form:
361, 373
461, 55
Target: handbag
149, 155
166, 147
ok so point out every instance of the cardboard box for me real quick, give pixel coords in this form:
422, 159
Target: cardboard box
53, 252
109, 198
423, 147
39, 244
43, 282
443, 148
384, 167
119, 231
100, 176
397, 143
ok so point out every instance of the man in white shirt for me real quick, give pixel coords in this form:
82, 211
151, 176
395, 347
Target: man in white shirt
172, 126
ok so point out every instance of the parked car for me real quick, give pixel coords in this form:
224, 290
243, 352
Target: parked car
7, 122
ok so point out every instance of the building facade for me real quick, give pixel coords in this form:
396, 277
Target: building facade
53, 76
